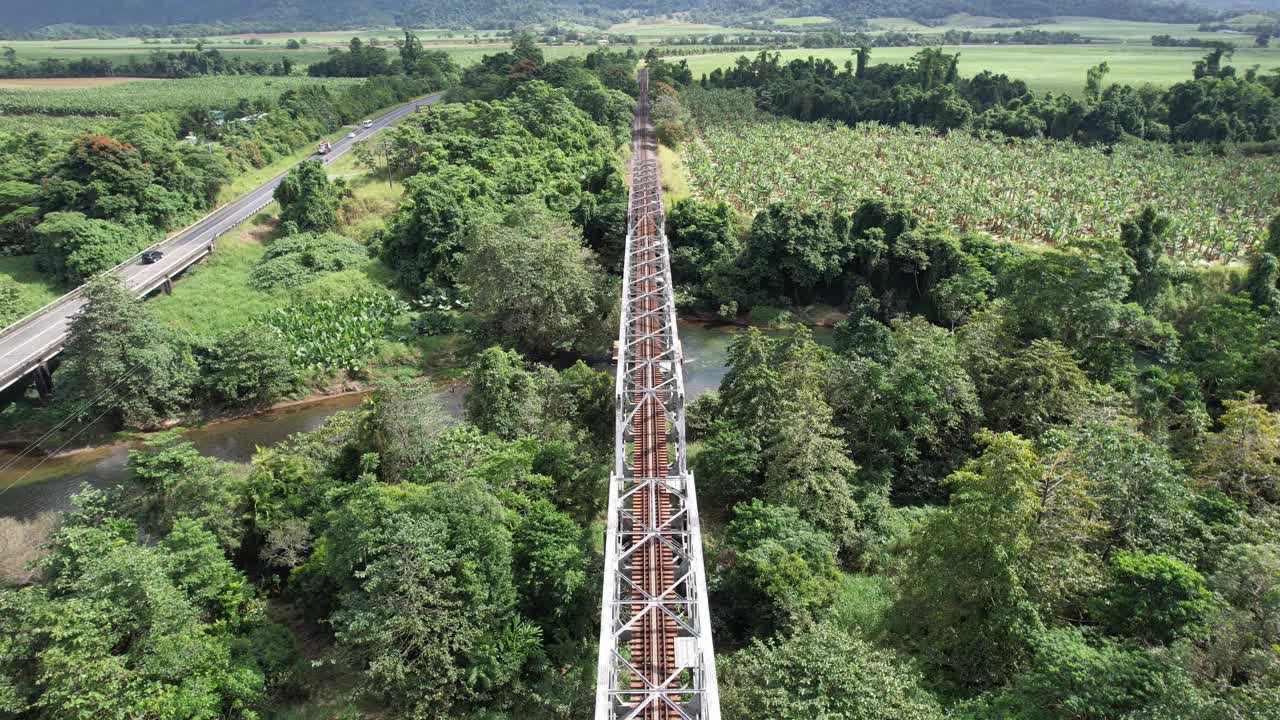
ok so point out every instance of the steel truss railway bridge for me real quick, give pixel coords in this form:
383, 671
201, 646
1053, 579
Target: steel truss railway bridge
656, 658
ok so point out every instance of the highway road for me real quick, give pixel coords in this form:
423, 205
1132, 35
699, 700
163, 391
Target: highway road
38, 337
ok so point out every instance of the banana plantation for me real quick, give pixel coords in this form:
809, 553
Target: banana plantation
1033, 191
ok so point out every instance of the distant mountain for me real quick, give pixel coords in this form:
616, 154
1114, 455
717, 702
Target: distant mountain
1242, 6
286, 15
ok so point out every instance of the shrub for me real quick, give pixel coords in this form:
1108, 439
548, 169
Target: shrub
336, 334
298, 259
248, 364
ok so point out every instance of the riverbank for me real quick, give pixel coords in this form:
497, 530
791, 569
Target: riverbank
36, 484
23, 445
32, 485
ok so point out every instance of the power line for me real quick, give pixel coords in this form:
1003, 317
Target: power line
60, 448
70, 418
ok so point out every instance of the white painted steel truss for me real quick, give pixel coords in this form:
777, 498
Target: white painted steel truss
648, 313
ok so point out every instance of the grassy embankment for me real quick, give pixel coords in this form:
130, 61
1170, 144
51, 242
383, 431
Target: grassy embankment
675, 181
34, 287
217, 294
140, 96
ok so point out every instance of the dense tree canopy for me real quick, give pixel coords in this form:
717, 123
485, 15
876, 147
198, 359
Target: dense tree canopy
532, 282
844, 676
117, 628
1214, 106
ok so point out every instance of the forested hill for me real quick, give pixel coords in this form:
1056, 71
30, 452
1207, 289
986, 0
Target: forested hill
317, 14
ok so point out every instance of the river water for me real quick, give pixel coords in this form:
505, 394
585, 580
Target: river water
26, 490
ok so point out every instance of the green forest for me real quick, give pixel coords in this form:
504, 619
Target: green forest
1011, 481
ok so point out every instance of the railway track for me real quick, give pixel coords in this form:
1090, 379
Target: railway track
656, 657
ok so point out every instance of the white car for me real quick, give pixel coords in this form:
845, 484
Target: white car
351, 135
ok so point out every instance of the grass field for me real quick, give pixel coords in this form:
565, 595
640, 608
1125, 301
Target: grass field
898, 24
1040, 191
965, 20
801, 21
273, 44
1133, 31
58, 127
215, 295
35, 289
661, 28
1098, 29
1046, 68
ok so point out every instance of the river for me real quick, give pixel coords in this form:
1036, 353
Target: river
24, 493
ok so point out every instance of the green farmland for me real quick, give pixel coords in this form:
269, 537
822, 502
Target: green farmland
273, 47
1095, 29
1046, 68
658, 29
155, 95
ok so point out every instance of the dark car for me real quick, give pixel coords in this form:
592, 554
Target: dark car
151, 256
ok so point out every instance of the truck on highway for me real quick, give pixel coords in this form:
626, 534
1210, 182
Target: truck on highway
324, 147
368, 124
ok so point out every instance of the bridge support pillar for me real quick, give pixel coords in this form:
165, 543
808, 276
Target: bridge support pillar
168, 285
43, 380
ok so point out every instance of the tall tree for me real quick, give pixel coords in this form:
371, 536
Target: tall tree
1144, 238
776, 572
910, 418
427, 601
405, 420
307, 198
533, 283
171, 480
1155, 598
975, 591
790, 253
550, 568
1144, 496
121, 629
120, 363
1243, 459
247, 365
1042, 387
751, 389
410, 51
1260, 283
504, 397
1093, 81
808, 465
